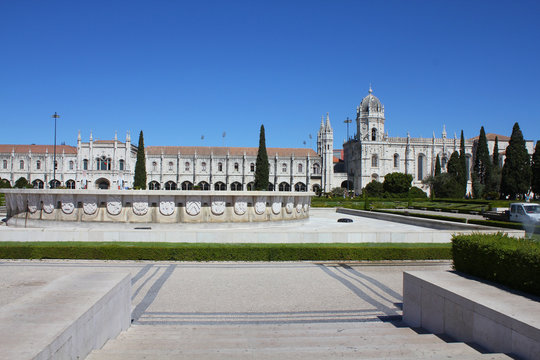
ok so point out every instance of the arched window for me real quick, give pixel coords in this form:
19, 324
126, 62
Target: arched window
300, 187
251, 186
85, 164
186, 166
284, 186
236, 166
103, 163
4, 164
71, 165
186, 185
284, 168
252, 167
121, 164
203, 185
170, 185
219, 166
153, 185
396, 161
203, 166
38, 184
421, 164
316, 188
374, 160
171, 166
219, 186
300, 168
236, 186
70, 184
443, 162
21, 164
316, 168
54, 184
373, 134
38, 165
154, 166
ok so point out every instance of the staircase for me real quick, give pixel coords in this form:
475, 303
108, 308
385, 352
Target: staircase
373, 339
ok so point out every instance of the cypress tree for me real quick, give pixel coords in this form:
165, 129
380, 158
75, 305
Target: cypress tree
261, 169
455, 188
139, 182
495, 182
463, 175
437, 166
516, 171
535, 167
482, 166
496, 152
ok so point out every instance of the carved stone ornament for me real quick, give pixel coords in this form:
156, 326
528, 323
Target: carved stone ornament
298, 205
140, 205
48, 203
218, 205
90, 205
114, 204
33, 203
193, 205
276, 206
67, 204
240, 205
306, 207
290, 205
260, 205
166, 205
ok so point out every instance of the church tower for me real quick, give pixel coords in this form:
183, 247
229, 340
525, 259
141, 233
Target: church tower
370, 119
325, 149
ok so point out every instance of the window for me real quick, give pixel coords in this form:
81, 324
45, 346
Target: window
300, 168
252, 167
236, 166
373, 134
154, 167
284, 187
251, 186
21, 164
236, 186
153, 185
186, 185
316, 169
203, 165
186, 166
38, 165
170, 185
4, 164
71, 165
171, 166
220, 166
70, 184
421, 163
103, 163
203, 185
121, 164
374, 161
396, 160
284, 168
85, 164
300, 187
219, 186
444, 161
38, 184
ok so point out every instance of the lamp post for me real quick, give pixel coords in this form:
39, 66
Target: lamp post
54, 116
347, 121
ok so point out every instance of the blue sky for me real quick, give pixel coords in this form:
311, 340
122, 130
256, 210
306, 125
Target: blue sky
178, 70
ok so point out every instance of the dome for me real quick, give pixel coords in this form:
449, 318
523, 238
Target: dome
370, 102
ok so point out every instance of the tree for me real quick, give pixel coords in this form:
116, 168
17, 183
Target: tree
4, 184
261, 165
22, 183
139, 182
374, 188
463, 175
535, 168
495, 182
397, 183
437, 166
516, 171
417, 193
446, 186
481, 176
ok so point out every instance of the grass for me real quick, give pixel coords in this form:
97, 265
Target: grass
222, 252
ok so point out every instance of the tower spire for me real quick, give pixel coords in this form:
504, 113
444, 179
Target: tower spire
370, 89
328, 127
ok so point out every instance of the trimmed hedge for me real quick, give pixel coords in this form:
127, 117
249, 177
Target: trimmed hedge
499, 258
223, 252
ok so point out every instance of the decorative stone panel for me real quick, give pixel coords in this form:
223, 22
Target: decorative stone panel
218, 205
240, 205
90, 205
48, 203
166, 205
276, 205
140, 205
67, 204
193, 205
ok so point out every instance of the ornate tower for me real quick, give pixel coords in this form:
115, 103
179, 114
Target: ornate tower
370, 119
325, 149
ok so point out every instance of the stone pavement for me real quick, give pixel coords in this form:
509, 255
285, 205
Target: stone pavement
289, 310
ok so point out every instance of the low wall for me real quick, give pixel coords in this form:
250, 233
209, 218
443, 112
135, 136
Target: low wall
470, 310
155, 206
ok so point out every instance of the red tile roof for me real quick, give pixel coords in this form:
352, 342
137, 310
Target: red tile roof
37, 149
222, 151
492, 136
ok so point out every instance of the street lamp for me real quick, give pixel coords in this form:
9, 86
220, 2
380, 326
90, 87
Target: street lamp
347, 121
54, 116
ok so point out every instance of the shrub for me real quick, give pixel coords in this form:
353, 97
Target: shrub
508, 261
374, 189
397, 183
417, 193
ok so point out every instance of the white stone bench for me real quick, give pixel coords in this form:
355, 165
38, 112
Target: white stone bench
66, 318
472, 311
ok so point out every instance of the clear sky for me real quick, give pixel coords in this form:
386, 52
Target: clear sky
178, 70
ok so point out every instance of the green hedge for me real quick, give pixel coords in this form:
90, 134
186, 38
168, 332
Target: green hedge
506, 224
223, 252
499, 258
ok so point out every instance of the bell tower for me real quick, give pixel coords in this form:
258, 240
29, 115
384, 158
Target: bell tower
325, 149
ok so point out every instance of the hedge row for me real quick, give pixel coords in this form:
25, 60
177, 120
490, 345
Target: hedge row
425, 216
506, 224
224, 252
499, 258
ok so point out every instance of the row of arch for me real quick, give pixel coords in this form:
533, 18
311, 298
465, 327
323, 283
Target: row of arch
53, 184
220, 186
